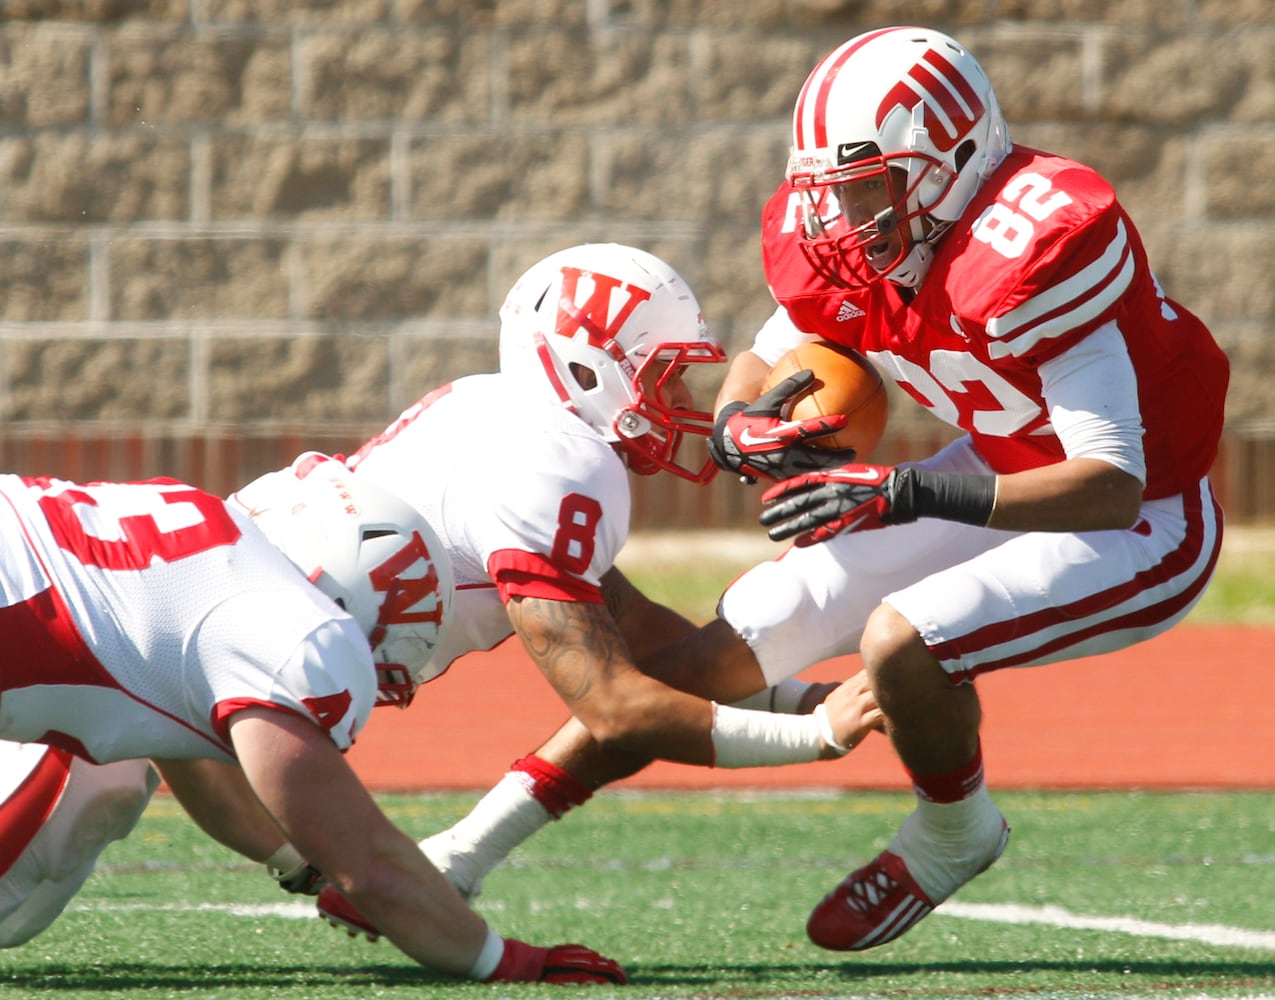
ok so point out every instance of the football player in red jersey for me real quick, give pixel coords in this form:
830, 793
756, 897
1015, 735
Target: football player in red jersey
1007, 291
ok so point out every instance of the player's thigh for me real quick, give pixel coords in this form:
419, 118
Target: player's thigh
1042, 597
59, 817
812, 603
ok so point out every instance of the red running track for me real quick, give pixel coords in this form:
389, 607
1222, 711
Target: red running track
1194, 708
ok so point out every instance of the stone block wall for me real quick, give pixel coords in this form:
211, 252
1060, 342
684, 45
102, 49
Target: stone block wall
232, 229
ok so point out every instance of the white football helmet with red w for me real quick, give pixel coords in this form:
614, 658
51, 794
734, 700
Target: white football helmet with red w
606, 330
368, 550
901, 127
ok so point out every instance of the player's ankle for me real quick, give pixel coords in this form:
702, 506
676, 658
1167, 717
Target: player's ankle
946, 844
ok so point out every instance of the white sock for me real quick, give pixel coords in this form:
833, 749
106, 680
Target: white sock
503, 818
947, 844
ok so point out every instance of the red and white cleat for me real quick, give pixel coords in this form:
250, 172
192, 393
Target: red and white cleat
871, 906
878, 903
341, 914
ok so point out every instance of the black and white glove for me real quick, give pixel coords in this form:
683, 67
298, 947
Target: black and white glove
818, 505
293, 873
753, 440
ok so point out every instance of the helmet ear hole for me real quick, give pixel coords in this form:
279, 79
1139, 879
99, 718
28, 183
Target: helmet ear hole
963, 153
585, 376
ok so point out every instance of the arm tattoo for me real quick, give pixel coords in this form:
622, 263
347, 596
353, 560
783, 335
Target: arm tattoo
573, 644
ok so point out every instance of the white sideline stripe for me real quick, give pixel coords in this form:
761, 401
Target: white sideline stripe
286, 911
1056, 916
1000, 913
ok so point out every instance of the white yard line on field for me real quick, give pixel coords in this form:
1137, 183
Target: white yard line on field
1056, 916
1000, 913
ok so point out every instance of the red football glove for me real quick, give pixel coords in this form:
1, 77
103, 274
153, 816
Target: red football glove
819, 505
563, 964
754, 441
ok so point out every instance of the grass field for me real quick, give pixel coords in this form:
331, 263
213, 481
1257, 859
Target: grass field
1099, 895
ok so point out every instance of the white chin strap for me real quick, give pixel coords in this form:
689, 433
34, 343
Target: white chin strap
909, 271
913, 267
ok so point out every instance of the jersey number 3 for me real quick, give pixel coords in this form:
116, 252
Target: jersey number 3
84, 519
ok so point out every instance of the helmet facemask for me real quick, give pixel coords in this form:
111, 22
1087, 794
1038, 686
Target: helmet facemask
912, 108
649, 432
868, 219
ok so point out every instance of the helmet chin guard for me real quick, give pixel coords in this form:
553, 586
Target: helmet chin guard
902, 115
368, 550
606, 331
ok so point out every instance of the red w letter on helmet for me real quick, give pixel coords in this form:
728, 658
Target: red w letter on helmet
594, 316
403, 593
951, 106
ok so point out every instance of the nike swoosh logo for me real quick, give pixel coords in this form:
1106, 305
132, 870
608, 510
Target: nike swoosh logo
750, 440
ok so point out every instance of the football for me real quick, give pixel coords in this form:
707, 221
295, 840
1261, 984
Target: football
845, 382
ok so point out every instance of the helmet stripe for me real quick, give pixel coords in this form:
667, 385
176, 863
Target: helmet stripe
816, 88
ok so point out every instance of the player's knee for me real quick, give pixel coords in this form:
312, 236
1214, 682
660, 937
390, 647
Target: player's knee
895, 656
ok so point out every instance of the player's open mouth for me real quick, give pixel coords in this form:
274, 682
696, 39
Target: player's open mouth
880, 254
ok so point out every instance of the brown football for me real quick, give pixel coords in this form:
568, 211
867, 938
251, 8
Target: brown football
845, 382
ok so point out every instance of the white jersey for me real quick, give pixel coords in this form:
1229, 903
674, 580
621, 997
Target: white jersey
137, 618
526, 497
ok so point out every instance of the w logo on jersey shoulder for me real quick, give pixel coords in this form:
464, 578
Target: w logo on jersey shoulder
951, 105
608, 304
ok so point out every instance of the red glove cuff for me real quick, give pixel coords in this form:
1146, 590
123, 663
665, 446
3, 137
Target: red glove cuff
520, 963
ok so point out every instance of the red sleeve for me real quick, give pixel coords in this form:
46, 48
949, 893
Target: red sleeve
813, 305
528, 574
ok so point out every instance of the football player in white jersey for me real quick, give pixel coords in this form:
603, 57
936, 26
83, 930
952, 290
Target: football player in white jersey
533, 510
1006, 290
241, 646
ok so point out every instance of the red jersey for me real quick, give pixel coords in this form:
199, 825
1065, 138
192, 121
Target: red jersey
1042, 256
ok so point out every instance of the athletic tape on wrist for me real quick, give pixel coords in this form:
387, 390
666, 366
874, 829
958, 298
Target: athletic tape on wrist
284, 861
825, 730
744, 738
489, 957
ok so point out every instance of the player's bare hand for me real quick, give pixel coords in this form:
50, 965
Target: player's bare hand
853, 711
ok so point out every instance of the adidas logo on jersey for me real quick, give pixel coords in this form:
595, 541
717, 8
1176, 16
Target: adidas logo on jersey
848, 311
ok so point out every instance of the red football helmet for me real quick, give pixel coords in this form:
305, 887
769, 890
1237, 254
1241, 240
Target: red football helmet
893, 133
607, 330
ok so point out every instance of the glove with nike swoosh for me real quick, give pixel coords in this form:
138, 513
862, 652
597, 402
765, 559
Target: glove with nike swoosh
753, 440
818, 505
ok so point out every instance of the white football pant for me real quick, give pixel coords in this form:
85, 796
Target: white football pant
57, 815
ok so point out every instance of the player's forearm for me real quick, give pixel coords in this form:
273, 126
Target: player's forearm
1080, 494
744, 379
342, 831
218, 798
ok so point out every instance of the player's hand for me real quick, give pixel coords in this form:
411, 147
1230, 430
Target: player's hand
818, 505
563, 964
853, 711
752, 439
